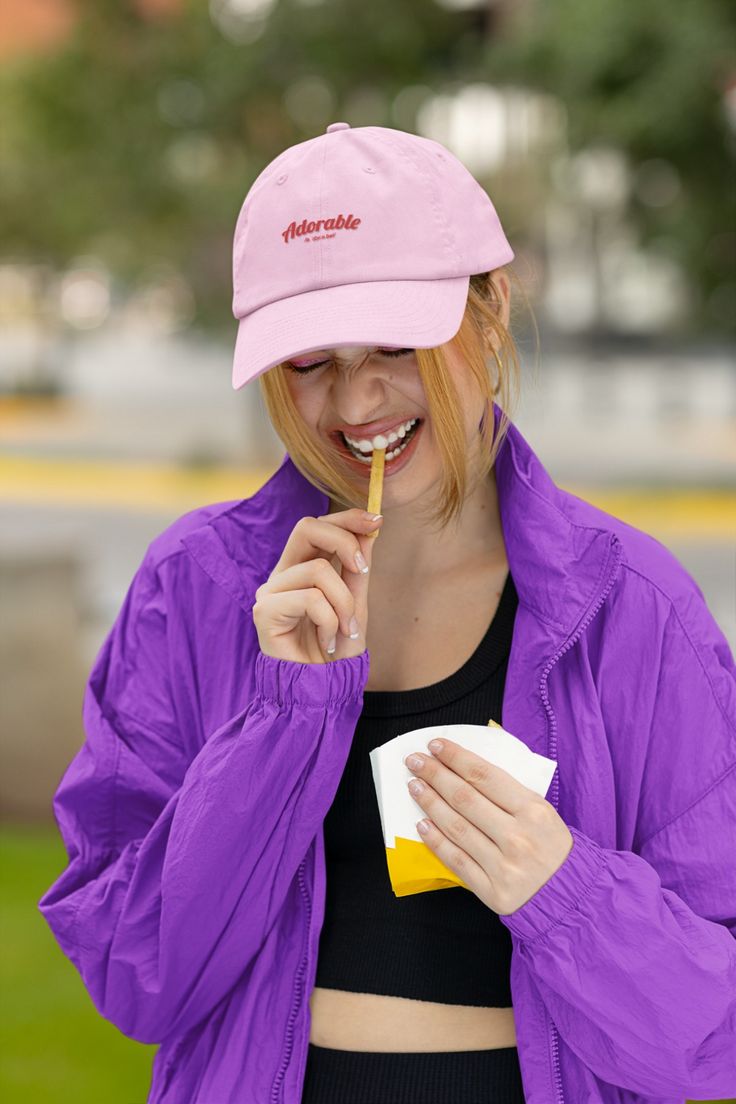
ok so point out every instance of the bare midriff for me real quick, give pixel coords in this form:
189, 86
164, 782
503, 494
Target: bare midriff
370, 1021
433, 643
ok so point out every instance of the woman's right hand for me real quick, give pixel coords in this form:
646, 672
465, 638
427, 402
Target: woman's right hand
306, 602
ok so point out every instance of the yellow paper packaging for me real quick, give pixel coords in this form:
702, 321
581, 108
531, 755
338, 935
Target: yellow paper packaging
412, 866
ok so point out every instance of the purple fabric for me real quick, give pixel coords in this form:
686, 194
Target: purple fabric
192, 815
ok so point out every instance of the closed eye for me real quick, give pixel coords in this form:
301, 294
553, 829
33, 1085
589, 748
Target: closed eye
304, 369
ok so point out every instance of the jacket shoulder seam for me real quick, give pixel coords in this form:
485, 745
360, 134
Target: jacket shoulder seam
158, 562
729, 770
227, 507
730, 724
715, 696
182, 550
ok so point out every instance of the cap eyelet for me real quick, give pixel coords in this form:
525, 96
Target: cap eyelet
282, 178
368, 168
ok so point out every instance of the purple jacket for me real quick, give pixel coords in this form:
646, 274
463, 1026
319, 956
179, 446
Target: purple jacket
193, 898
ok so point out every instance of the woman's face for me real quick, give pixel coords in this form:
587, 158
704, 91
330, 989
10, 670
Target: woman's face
353, 386
348, 387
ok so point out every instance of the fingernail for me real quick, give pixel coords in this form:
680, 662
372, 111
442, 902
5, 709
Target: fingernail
354, 628
373, 517
360, 561
332, 646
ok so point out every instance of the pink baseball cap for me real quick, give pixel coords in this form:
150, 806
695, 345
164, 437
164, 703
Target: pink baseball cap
360, 236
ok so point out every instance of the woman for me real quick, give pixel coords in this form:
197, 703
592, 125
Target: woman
226, 894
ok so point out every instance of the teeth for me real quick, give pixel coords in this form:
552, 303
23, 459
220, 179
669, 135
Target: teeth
381, 441
365, 456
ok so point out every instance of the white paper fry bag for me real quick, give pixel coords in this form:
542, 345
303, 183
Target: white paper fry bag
412, 866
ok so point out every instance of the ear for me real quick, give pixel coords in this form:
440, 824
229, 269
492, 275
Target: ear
499, 293
502, 290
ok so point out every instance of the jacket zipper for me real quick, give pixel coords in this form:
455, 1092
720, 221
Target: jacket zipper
296, 1002
554, 1037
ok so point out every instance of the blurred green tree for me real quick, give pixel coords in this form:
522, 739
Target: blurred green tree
657, 81
138, 139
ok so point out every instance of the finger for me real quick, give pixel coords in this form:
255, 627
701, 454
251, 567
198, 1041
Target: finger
312, 537
492, 781
284, 611
322, 575
346, 518
468, 866
358, 583
465, 800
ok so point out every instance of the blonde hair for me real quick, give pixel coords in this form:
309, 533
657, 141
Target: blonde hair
323, 464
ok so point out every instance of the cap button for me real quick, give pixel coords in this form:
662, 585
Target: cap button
337, 126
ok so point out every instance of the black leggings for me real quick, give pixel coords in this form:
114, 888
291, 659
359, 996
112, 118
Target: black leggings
488, 1076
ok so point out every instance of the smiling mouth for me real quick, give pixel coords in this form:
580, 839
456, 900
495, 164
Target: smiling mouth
394, 450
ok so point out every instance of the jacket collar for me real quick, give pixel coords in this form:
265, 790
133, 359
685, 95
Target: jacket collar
559, 565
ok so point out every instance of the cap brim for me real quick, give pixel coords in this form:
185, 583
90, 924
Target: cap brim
406, 313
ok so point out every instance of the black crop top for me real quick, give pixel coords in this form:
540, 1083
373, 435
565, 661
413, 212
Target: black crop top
444, 945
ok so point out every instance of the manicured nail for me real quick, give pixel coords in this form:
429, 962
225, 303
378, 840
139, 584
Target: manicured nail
332, 646
360, 561
354, 628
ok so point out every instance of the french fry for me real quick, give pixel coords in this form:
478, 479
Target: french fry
375, 487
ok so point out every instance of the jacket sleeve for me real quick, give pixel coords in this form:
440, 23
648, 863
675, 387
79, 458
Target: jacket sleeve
634, 954
178, 869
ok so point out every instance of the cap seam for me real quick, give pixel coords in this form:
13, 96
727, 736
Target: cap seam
437, 204
320, 251
442, 227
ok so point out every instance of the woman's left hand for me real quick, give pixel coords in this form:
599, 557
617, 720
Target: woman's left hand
501, 838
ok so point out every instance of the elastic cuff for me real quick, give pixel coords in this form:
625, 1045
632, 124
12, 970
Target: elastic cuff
317, 684
562, 893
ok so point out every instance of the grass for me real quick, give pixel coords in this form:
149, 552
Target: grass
55, 1048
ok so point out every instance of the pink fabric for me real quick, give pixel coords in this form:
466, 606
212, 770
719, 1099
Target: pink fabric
360, 236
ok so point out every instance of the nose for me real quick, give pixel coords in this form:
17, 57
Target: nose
350, 352
352, 356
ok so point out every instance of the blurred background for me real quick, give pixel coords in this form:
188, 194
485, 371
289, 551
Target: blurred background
131, 130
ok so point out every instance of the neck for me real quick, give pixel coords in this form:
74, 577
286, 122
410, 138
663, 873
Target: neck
410, 548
